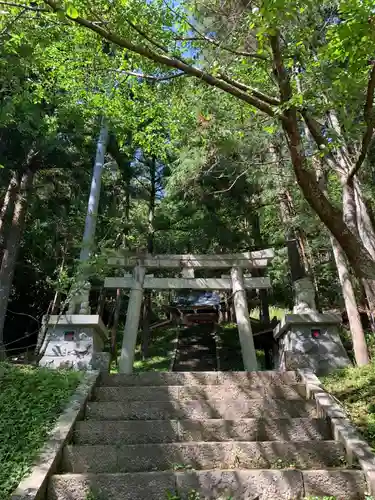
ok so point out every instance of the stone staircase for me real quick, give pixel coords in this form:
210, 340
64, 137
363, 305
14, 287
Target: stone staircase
196, 349
203, 435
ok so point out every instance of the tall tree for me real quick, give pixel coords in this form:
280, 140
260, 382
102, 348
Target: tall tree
159, 45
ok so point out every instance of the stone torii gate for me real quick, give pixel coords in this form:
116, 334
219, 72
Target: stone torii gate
138, 281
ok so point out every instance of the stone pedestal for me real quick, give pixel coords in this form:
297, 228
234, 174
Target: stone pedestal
304, 295
75, 341
80, 302
310, 340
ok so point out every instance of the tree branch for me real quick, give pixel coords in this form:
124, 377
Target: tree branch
233, 183
281, 72
168, 61
146, 37
314, 128
369, 119
370, 95
24, 7
204, 38
256, 93
10, 24
154, 78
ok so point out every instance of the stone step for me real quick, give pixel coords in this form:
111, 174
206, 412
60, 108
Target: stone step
201, 456
210, 485
169, 431
168, 393
197, 378
227, 409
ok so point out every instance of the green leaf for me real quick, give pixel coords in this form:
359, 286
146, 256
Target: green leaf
72, 11
270, 129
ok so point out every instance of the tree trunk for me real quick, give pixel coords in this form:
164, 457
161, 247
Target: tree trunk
116, 319
125, 241
296, 238
81, 301
101, 302
358, 336
7, 207
147, 302
367, 235
364, 223
8, 263
332, 217
124, 162
352, 206
355, 212
264, 313
350, 218
290, 212
355, 324
93, 204
349, 208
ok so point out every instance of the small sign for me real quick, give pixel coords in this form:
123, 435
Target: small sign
315, 333
69, 336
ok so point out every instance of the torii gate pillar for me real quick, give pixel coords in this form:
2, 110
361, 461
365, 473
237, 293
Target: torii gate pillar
243, 320
132, 321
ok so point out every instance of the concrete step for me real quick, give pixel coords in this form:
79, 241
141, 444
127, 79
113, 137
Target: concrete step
211, 485
197, 378
169, 431
228, 409
201, 456
168, 393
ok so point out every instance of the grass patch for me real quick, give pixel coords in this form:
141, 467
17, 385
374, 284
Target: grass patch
31, 399
354, 387
161, 351
279, 312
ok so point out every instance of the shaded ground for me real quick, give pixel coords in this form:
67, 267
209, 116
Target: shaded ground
355, 388
196, 349
230, 349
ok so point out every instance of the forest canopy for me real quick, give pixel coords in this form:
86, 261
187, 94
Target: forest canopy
225, 125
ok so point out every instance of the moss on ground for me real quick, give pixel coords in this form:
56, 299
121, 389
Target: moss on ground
354, 387
31, 399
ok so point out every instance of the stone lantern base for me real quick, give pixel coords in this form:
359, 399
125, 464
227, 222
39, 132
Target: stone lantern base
310, 340
75, 341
